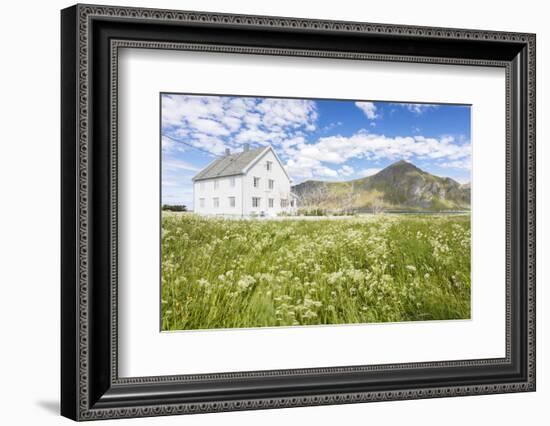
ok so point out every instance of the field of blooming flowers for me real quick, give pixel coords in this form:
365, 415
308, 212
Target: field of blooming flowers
220, 273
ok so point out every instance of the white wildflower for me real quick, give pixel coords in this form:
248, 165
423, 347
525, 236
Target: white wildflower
245, 282
203, 282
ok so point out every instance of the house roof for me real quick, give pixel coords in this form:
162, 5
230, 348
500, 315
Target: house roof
230, 165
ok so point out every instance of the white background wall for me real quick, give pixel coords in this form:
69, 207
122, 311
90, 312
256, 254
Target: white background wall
29, 225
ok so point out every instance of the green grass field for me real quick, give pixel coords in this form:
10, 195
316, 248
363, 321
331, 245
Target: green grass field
234, 273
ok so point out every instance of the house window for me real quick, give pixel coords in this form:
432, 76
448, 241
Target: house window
216, 202
216, 184
291, 203
269, 166
256, 182
231, 201
232, 182
256, 201
284, 202
271, 201
201, 202
271, 183
202, 186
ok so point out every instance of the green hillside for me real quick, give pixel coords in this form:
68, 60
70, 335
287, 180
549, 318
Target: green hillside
399, 187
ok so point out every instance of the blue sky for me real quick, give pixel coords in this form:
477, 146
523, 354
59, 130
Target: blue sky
315, 139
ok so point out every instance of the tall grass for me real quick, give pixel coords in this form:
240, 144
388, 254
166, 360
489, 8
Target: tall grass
230, 273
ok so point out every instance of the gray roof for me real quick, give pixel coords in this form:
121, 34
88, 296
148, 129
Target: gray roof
229, 165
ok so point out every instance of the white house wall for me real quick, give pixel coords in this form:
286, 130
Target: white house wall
206, 189
280, 190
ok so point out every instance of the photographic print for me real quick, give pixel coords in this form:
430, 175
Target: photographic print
304, 212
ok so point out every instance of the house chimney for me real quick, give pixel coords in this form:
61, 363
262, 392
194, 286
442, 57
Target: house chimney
246, 147
227, 152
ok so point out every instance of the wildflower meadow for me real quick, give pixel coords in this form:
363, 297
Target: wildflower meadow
219, 273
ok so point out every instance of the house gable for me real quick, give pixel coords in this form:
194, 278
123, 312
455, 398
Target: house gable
262, 155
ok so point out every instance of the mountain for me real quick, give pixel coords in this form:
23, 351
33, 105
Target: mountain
400, 186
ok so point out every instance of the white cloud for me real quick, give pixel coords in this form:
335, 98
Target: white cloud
252, 120
287, 112
369, 172
203, 120
210, 127
326, 172
292, 142
260, 136
176, 109
346, 170
178, 165
167, 144
419, 109
309, 160
457, 164
331, 126
233, 124
307, 168
368, 108
339, 149
320, 152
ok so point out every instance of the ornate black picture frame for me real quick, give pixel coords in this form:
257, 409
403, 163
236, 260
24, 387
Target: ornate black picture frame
91, 36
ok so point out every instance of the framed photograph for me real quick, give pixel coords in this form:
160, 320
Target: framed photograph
263, 212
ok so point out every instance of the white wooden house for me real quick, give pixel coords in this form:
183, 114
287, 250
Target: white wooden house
253, 182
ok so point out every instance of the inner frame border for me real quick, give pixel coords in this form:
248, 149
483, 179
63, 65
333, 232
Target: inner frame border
117, 44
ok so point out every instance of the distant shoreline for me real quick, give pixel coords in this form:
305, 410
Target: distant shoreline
327, 217
427, 212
